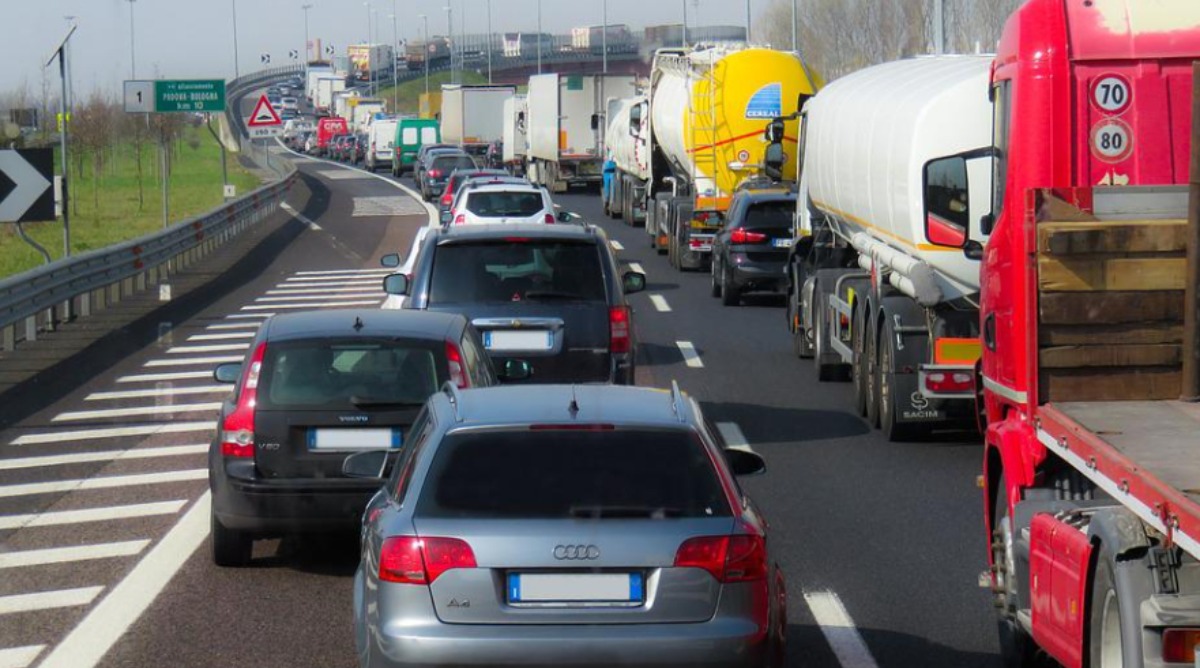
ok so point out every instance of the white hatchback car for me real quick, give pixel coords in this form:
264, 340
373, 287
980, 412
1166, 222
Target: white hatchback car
501, 203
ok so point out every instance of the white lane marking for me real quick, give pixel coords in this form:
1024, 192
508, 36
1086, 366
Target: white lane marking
189, 361
62, 555
227, 336
104, 456
215, 348
394, 205
327, 282
300, 217
61, 517
247, 316
660, 303
314, 306
20, 657
634, 266
235, 325
103, 482
378, 285
616, 245
88, 642
105, 413
339, 175
734, 438
839, 630
111, 432
47, 600
340, 272
160, 392
690, 356
318, 297
157, 377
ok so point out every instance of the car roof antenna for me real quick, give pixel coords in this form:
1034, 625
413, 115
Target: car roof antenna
358, 324
574, 406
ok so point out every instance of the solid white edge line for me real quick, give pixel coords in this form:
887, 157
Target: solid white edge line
163, 392
20, 657
159, 377
690, 356
48, 600
105, 456
839, 630
660, 303
88, 642
102, 482
111, 432
300, 217
84, 515
105, 413
62, 555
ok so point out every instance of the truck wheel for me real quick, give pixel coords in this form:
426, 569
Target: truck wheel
230, 548
858, 369
627, 201
730, 294
801, 344
889, 419
872, 375
1114, 630
1017, 649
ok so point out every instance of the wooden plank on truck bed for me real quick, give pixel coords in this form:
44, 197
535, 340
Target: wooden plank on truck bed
1109, 384
1111, 335
1111, 308
1088, 238
1072, 357
1095, 274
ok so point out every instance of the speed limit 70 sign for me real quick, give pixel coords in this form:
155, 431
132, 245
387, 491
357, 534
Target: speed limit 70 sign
1112, 94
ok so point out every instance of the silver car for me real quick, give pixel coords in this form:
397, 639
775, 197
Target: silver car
567, 526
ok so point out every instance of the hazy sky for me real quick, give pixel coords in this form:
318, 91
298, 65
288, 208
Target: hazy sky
194, 38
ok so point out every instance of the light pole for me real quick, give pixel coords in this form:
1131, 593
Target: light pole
367, 41
425, 46
684, 38
236, 72
450, 35
395, 59
604, 37
539, 36
795, 26
489, 38
132, 57
747, 21
306, 44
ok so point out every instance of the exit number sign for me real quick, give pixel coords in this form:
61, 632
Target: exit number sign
169, 96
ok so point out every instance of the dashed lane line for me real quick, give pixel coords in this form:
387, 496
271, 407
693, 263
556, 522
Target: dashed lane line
105, 456
136, 411
112, 432
616, 245
660, 303
215, 348
20, 657
48, 600
190, 361
690, 357
300, 217
839, 630
160, 377
62, 555
313, 306
160, 392
87, 515
634, 266
102, 482
317, 297
226, 336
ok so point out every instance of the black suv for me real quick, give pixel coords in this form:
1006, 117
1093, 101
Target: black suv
547, 295
750, 252
315, 388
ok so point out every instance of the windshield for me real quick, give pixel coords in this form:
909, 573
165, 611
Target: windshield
331, 375
776, 215
505, 204
507, 271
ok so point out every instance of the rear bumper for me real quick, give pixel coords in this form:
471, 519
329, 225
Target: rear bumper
757, 276
287, 506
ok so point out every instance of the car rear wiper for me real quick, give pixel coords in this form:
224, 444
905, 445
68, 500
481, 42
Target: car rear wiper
550, 294
373, 402
597, 512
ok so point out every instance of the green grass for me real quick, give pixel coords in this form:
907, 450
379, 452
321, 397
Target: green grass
107, 212
409, 92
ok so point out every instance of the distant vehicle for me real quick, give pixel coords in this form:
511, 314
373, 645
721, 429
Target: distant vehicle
437, 169
636, 543
502, 204
457, 178
471, 115
289, 103
380, 144
326, 88
327, 129
548, 295
303, 375
411, 135
750, 253
371, 62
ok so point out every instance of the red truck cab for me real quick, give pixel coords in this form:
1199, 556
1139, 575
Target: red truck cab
328, 128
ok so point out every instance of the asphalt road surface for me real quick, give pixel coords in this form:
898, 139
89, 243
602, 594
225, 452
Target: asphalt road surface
104, 555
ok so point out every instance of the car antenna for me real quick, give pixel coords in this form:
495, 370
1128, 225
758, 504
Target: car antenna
358, 324
574, 405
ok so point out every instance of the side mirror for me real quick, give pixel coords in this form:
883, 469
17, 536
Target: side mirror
595, 122
774, 160
774, 131
515, 370
446, 217
366, 464
633, 281
396, 284
564, 216
228, 373
390, 261
946, 201
745, 462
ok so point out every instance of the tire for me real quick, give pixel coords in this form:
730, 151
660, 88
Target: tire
730, 294
858, 369
715, 289
1017, 649
1114, 640
893, 430
872, 375
230, 548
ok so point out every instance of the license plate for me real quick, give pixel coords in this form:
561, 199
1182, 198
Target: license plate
782, 243
577, 588
353, 439
508, 339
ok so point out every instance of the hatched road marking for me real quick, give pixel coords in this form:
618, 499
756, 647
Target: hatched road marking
106, 456
62, 555
216, 348
235, 325
616, 245
157, 377
634, 266
314, 306
660, 303
228, 336
396, 205
316, 297
61, 517
102, 482
163, 392
839, 630
20, 657
111, 432
105, 413
188, 361
48, 600
690, 356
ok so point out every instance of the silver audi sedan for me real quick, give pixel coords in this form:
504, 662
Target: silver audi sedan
543, 525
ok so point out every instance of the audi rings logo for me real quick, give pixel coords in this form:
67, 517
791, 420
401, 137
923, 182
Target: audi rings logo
576, 552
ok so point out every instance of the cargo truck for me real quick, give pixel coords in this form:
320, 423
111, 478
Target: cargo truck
363, 111
625, 196
371, 62
515, 146
429, 105
326, 88
316, 70
566, 127
707, 109
471, 115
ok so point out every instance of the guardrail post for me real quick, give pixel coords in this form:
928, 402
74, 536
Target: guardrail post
8, 339
31, 328
127, 287
139, 283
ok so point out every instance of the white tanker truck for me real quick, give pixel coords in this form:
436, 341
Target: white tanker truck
873, 295
627, 149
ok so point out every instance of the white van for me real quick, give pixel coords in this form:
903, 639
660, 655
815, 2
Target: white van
381, 140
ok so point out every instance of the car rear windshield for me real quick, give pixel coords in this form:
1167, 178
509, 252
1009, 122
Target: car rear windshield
450, 163
509, 203
342, 375
560, 474
770, 214
514, 270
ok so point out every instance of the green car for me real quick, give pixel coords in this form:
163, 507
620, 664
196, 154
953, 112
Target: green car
411, 135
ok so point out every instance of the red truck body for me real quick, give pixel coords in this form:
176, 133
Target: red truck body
1093, 104
328, 128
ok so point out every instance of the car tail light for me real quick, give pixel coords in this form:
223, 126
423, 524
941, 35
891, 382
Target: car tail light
460, 219
618, 329
237, 430
740, 558
549, 219
741, 236
435, 173
943, 382
458, 372
446, 199
1179, 645
412, 560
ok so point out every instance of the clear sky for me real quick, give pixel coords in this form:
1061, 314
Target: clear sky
194, 38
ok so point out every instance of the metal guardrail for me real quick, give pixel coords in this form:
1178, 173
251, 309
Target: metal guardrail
43, 298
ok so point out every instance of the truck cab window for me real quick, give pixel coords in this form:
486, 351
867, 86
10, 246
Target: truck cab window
1001, 135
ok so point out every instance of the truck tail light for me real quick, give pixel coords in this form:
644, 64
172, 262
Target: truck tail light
618, 329
740, 558
549, 219
948, 382
237, 430
741, 236
458, 371
1179, 645
413, 560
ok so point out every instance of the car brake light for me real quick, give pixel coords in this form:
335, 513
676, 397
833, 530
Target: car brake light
446, 199
412, 560
1179, 645
549, 219
741, 236
237, 430
460, 219
618, 329
941, 382
740, 558
454, 360
435, 173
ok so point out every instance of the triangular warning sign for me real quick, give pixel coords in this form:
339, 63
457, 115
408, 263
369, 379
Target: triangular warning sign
264, 114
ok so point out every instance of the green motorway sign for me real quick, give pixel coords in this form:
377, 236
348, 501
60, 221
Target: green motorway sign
189, 95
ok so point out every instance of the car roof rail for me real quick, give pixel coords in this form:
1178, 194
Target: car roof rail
455, 398
677, 403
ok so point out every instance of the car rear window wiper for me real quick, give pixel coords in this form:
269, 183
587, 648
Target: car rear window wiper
618, 512
374, 402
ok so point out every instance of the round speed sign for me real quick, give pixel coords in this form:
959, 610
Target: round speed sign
1112, 140
1112, 94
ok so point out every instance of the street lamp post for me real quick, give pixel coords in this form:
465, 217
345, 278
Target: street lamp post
604, 38
367, 41
425, 21
684, 37
539, 35
450, 34
488, 41
747, 21
132, 58
795, 26
395, 60
306, 42
236, 71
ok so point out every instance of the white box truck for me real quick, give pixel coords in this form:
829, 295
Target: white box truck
566, 127
470, 115
326, 88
